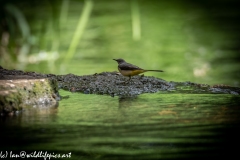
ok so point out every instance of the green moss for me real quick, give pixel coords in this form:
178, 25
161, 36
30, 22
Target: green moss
11, 102
32, 92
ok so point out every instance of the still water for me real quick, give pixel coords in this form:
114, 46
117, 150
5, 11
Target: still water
150, 126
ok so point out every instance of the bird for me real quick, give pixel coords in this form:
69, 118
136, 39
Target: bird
129, 70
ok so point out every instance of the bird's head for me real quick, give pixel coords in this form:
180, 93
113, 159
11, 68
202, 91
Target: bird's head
120, 60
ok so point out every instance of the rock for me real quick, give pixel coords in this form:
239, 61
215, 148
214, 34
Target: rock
19, 92
34, 88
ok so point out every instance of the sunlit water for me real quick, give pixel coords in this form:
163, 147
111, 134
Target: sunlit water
150, 126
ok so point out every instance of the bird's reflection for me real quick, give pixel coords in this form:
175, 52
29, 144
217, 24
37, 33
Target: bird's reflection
125, 102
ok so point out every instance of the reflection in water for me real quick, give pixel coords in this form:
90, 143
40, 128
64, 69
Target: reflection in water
31, 115
127, 101
150, 126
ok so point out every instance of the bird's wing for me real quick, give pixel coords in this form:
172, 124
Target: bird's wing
128, 66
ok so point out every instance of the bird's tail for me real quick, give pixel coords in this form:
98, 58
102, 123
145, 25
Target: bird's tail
154, 70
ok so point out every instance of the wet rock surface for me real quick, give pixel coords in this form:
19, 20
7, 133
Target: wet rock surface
114, 84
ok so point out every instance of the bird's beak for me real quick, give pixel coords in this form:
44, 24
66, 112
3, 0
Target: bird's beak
114, 59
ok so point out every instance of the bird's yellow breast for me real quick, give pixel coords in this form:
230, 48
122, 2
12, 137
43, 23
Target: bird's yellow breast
130, 72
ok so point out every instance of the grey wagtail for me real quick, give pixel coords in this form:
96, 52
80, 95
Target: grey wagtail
129, 70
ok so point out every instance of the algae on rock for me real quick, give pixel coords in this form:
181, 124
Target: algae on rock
18, 93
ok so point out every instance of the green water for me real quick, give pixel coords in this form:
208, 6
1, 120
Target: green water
150, 126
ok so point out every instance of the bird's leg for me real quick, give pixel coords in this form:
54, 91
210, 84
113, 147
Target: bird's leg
129, 79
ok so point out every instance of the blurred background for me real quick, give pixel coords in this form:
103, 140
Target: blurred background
190, 40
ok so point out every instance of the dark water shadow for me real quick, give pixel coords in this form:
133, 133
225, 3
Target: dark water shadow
221, 143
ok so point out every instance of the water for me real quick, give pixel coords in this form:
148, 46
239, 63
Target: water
150, 126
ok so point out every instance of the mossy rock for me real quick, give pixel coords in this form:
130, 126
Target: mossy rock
16, 94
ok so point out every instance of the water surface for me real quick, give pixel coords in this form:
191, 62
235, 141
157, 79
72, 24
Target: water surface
150, 126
